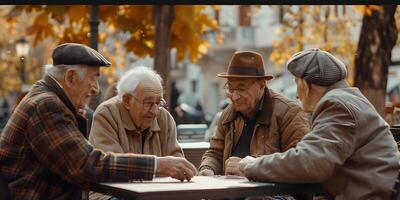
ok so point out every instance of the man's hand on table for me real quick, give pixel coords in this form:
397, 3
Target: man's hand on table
243, 162
175, 167
206, 172
232, 166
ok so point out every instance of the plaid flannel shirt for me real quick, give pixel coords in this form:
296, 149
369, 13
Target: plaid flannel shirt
44, 155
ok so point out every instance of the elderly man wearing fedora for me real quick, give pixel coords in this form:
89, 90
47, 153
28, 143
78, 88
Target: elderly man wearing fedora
43, 150
349, 149
259, 121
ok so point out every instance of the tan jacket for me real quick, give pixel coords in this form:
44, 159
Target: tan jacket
281, 124
350, 149
113, 130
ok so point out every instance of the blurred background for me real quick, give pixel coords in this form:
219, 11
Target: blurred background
188, 45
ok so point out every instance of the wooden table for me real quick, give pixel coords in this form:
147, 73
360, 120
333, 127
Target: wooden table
202, 187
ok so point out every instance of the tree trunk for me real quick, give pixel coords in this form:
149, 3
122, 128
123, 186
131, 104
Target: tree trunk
377, 38
163, 15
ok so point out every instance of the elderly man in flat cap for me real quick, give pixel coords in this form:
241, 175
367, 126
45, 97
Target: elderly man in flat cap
349, 148
259, 121
44, 154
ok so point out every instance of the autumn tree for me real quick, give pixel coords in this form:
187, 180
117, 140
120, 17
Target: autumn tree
323, 27
315, 26
163, 16
10, 65
377, 38
70, 24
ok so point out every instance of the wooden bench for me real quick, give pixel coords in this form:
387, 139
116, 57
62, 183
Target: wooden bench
191, 132
194, 151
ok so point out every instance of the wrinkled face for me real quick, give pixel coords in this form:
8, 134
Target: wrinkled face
144, 104
245, 93
303, 94
83, 89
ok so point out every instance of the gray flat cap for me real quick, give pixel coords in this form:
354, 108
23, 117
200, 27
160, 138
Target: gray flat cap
78, 54
317, 67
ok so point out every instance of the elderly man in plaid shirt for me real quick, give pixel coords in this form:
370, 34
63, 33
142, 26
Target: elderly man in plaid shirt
43, 150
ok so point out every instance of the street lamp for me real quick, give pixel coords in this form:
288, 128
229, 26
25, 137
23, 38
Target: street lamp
22, 47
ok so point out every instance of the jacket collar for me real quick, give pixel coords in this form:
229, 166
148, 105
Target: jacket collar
264, 113
55, 87
128, 122
339, 84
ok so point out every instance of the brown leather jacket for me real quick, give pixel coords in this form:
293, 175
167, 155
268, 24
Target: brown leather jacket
279, 127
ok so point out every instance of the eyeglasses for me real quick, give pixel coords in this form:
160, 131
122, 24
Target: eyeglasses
241, 89
147, 105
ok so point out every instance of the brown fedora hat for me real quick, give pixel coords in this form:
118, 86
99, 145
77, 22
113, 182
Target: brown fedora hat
246, 64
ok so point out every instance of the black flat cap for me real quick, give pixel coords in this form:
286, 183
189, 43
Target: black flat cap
78, 54
317, 67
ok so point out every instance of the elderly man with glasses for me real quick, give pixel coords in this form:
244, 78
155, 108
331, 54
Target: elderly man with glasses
259, 120
135, 120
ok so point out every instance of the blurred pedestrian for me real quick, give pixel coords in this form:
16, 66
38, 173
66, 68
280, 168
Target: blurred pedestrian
190, 97
174, 99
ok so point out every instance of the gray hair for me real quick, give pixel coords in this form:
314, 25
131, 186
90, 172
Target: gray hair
58, 71
131, 79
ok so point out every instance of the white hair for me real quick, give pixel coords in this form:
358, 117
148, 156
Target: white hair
131, 79
58, 71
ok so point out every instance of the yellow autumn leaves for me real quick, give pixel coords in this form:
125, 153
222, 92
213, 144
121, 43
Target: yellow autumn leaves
72, 24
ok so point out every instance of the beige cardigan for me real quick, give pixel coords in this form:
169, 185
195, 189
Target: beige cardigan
113, 130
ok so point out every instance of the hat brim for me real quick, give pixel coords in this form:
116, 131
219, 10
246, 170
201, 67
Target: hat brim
226, 75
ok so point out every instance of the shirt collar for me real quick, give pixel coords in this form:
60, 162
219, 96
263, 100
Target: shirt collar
264, 113
56, 87
259, 110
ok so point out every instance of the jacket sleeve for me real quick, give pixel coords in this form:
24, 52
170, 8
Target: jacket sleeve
212, 158
294, 126
59, 145
314, 159
173, 147
104, 132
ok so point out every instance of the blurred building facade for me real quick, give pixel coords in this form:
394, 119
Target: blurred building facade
244, 28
